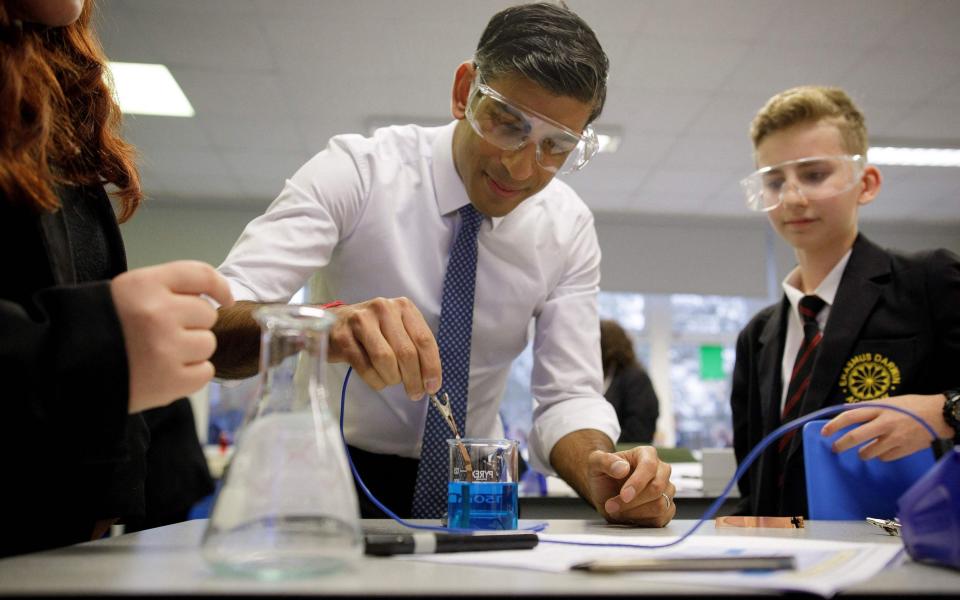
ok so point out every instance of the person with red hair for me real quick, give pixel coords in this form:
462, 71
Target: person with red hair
84, 344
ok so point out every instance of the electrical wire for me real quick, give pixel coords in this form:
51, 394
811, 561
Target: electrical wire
710, 512
363, 486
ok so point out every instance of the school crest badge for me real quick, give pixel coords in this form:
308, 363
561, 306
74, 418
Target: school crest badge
869, 376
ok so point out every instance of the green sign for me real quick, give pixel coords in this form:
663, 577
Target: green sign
711, 363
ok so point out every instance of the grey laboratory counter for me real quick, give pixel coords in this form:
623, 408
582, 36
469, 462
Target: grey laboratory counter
167, 562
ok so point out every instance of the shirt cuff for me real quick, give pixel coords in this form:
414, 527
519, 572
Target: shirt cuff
566, 417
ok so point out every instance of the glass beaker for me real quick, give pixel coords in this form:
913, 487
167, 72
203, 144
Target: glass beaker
288, 506
482, 488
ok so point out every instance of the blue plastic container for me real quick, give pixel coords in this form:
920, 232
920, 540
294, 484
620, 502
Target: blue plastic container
929, 514
844, 487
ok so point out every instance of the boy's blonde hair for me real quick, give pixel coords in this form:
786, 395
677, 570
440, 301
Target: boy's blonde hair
811, 103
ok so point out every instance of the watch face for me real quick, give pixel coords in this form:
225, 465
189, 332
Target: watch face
951, 409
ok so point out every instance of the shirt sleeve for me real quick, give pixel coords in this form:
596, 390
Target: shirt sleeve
280, 250
567, 379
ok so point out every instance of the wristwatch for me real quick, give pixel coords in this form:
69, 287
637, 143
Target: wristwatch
951, 412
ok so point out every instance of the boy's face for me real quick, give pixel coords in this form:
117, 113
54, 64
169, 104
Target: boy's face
815, 225
497, 180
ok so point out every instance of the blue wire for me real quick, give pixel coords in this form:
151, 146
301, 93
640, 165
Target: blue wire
380, 505
711, 511
752, 456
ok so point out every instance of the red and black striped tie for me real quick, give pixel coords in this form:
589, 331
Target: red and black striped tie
810, 307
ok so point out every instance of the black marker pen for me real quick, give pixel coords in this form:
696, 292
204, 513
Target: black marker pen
432, 543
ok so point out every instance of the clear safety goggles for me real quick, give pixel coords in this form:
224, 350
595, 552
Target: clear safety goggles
510, 126
813, 178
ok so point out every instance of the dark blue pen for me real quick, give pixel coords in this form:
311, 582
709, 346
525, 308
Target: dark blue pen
432, 543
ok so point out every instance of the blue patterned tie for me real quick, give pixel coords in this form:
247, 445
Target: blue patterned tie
453, 337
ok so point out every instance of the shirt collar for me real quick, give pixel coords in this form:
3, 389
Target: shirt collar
827, 290
451, 195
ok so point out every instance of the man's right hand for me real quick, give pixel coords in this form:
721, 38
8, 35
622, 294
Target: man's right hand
166, 328
387, 341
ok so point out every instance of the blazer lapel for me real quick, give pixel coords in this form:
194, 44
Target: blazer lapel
770, 389
858, 293
771, 358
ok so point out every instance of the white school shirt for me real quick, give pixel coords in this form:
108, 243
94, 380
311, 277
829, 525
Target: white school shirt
377, 217
827, 290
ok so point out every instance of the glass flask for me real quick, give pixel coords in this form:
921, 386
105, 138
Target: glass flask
288, 506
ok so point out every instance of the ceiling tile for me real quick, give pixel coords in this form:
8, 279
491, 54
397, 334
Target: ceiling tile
684, 65
273, 80
917, 75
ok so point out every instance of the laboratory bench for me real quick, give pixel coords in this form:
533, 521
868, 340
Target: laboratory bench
167, 562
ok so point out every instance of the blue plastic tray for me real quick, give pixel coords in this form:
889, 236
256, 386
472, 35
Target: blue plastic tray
843, 487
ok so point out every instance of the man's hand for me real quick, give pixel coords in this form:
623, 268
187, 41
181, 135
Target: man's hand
166, 328
893, 434
387, 341
632, 486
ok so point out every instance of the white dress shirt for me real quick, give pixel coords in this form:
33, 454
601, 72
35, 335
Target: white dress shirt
377, 217
827, 290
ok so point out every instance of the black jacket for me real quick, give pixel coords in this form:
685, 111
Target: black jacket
70, 452
895, 313
632, 396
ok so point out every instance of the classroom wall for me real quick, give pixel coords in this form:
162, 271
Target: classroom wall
644, 254
162, 231
662, 255
641, 253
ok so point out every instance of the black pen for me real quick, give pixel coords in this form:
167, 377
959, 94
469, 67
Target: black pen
709, 563
432, 543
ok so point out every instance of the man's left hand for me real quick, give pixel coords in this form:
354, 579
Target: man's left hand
631, 487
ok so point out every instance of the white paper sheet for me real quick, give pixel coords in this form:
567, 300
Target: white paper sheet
823, 567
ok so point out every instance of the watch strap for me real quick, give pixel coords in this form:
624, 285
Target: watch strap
951, 412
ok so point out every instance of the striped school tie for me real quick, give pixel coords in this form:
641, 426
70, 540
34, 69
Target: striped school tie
810, 307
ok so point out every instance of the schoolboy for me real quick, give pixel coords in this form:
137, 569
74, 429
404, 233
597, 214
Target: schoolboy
856, 322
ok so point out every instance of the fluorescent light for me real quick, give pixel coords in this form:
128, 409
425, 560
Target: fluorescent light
146, 89
608, 142
914, 157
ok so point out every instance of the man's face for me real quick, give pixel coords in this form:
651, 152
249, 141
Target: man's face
497, 180
814, 224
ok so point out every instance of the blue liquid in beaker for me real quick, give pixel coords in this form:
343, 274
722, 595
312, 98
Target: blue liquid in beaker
482, 505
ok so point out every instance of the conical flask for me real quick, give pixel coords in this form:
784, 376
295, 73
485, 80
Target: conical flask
288, 506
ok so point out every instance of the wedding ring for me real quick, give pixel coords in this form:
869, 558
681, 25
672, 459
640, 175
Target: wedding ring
667, 498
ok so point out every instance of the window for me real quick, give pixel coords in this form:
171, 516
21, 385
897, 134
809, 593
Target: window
687, 343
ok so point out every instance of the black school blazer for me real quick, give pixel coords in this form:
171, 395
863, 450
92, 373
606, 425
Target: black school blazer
70, 453
896, 315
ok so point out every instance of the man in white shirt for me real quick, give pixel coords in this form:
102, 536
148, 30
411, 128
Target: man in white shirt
377, 217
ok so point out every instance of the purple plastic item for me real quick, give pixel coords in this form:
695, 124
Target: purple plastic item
929, 514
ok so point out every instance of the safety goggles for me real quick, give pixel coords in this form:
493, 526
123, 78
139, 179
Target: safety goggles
510, 126
814, 178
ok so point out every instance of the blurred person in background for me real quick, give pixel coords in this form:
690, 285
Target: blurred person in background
627, 386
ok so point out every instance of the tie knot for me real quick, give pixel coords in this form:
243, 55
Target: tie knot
471, 217
810, 307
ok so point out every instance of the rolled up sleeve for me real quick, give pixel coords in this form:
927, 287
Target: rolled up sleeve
567, 375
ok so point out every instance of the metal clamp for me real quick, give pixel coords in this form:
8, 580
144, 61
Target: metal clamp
891, 526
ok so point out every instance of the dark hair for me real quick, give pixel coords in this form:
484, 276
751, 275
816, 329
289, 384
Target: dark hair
59, 123
616, 349
549, 45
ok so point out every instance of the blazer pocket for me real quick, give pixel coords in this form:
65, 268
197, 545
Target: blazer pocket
878, 369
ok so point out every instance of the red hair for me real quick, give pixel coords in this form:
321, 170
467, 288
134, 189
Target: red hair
59, 123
